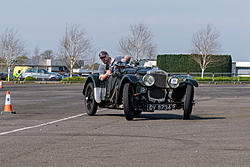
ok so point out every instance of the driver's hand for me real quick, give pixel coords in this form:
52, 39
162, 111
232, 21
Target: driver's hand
109, 72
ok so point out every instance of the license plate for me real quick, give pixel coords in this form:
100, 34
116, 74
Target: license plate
174, 81
152, 107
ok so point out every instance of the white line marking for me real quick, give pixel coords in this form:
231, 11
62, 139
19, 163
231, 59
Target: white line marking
44, 124
40, 125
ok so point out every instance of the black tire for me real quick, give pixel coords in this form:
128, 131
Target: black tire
89, 102
52, 79
127, 101
137, 113
188, 102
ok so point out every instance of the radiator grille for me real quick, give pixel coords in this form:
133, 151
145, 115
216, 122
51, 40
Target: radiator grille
157, 93
160, 80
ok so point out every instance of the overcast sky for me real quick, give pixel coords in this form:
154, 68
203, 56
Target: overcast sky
41, 23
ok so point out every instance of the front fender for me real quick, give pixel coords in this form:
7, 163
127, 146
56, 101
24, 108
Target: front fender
129, 78
192, 82
125, 79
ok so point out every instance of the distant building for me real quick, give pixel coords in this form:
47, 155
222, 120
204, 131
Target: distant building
58, 66
148, 62
79, 66
241, 68
52, 65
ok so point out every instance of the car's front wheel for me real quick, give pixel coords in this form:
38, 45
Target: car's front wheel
89, 101
137, 113
128, 101
188, 102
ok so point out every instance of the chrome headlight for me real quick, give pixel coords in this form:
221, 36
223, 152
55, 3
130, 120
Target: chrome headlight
173, 82
148, 80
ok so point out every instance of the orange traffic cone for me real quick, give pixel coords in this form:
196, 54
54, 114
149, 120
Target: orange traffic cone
8, 106
1, 84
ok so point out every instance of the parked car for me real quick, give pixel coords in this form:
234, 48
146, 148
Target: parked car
40, 74
3, 75
138, 89
58, 75
68, 75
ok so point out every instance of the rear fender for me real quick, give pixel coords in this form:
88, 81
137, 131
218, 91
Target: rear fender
91, 78
99, 92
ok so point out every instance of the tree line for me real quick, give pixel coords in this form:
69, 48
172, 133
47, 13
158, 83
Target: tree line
75, 45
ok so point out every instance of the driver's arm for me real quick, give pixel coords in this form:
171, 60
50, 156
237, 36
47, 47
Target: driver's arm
103, 73
126, 59
106, 75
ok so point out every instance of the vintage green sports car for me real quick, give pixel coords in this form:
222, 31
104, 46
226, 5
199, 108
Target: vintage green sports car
138, 89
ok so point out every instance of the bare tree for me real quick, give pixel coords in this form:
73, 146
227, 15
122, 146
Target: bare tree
37, 58
138, 43
11, 47
92, 59
21, 60
151, 52
47, 54
205, 44
90, 62
73, 46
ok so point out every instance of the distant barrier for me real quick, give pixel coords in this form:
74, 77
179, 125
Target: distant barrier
5, 83
218, 77
212, 78
73, 79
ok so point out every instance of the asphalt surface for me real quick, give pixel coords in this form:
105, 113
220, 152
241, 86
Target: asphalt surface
51, 129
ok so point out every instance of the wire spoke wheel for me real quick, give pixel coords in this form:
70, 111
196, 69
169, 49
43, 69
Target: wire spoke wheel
128, 101
89, 100
188, 102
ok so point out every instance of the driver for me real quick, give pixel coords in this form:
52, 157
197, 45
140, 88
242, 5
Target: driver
107, 63
104, 69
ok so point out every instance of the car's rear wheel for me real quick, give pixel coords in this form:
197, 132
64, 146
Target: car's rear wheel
89, 102
128, 101
53, 79
188, 102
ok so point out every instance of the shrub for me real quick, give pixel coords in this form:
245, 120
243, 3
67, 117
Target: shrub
203, 79
243, 78
222, 78
74, 79
30, 79
11, 79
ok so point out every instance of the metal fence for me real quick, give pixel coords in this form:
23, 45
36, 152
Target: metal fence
218, 77
208, 77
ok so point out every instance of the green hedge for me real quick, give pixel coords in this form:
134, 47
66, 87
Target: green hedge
74, 79
185, 63
202, 79
244, 78
30, 79
11, 79
222, 78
